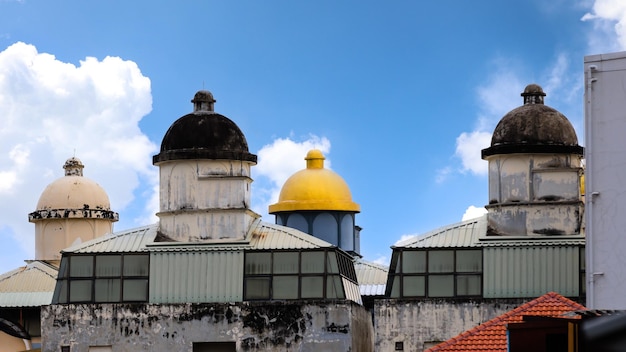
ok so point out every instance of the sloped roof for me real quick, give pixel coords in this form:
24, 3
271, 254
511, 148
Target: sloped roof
133, 240
491, 335
462, 234
28, 286
372, 277
261, 235
473, 233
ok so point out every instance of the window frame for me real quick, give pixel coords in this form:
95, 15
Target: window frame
63, 290
342, 268
397, 276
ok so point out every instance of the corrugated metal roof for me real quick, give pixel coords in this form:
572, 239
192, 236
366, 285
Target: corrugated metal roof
28, 286
133, 240
473, 233
261, 235
462, 234
372, 277
264, 235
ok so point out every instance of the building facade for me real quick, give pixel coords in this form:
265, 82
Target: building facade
210, 275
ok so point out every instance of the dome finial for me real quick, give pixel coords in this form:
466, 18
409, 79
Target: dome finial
203, 101
315, 159
533, 94
73, 167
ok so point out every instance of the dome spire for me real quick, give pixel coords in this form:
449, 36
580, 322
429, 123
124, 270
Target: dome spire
73, 167
315, 159
203, 101
533, 94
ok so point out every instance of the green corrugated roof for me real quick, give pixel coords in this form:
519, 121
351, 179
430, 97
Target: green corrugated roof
473, 233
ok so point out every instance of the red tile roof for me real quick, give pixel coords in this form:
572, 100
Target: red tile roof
491, 335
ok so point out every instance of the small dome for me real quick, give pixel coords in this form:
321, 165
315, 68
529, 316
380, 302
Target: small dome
533, 128
315, 188
73, 191
204, 134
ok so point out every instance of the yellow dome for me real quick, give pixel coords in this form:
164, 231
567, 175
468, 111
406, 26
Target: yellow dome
315, 188
73, 191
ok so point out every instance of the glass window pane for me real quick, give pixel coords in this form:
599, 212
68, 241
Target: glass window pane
312, 262
286, 262
257, 288
440, 261
107, 290
60, 292
136, 265
285, 287
468, 285
334, 287
135, 290
332, 266
469, 261
440, 286
312, 286
63, 268
413, 261
258, 263
395, 287
80, 290
81, 266
108, 265
414, 286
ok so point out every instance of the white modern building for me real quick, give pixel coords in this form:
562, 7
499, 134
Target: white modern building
605, 179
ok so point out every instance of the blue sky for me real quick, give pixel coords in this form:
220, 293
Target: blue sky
401, 96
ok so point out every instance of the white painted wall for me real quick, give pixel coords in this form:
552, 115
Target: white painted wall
605, 179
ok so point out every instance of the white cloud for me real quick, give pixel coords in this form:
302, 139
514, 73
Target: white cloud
473, 212
404, 238
609, 20
468, 147
381, 260
277, 162
52, 110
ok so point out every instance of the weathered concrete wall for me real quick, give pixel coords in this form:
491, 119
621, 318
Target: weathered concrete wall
293, 326
414, 323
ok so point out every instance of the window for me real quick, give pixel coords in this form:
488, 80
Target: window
214, 347
289, 275
103, 278
435, 273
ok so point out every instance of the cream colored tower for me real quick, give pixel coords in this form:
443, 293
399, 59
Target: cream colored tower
204, 166
71, 210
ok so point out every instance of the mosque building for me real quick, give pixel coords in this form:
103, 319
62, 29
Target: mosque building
530, 242
210, 275
71, 210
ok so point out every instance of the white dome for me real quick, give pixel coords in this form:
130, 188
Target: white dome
73, 191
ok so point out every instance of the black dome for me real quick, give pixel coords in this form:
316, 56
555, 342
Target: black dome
533, 128
204, 134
